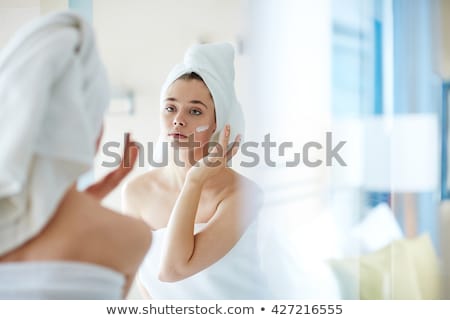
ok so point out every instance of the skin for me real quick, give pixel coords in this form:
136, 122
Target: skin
82, 230
178, 197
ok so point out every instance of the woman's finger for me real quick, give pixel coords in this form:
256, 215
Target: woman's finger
129, 152
133, 153
224, 137
234, 148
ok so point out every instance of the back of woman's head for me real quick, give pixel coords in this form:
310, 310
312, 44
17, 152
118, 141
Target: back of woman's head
53, 94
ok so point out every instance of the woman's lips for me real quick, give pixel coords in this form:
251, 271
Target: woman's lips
177, 135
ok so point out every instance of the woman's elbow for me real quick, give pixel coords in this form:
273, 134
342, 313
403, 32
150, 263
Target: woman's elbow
169, 275
171, 270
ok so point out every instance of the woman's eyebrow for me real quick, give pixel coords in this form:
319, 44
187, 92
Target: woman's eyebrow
192, 101
198, 102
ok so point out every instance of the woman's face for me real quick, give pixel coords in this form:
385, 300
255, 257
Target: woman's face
188, 109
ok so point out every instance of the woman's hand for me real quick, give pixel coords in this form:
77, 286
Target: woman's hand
215, 160
108, 183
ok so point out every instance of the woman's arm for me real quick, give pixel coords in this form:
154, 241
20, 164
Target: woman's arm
184, 253
179, 243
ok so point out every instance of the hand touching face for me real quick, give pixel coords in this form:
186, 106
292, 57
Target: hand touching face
216, 160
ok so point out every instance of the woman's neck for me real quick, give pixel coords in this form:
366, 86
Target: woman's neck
176, 175
180, 162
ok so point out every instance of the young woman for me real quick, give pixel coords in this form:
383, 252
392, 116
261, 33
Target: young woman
55, 241
200, 211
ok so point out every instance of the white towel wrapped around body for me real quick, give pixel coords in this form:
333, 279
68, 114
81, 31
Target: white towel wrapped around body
53, 93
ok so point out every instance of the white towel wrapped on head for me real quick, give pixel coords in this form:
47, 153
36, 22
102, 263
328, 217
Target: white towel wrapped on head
53, 93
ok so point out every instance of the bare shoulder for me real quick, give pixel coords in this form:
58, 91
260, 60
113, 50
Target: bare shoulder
138, 189
83, 230
143, 182
246, 188
130, 232
245, 193
126, 238
120, 243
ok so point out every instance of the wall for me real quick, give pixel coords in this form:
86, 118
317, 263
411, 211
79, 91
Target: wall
13, 14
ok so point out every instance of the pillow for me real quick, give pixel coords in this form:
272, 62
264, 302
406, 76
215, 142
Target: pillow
378, 229
404, 269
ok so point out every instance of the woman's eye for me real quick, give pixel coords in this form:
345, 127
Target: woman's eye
196, 112
170, 108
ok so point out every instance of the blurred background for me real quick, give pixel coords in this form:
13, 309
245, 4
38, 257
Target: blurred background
375, 74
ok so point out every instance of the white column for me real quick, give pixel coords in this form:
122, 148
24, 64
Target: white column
291, 50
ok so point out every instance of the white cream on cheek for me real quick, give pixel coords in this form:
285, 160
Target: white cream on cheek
202, 128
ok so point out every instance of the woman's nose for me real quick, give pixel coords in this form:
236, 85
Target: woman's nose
179, 122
